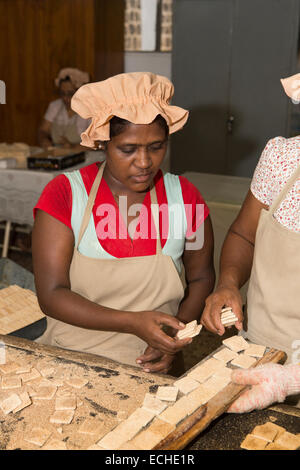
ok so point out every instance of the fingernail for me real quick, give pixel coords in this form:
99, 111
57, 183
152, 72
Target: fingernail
146, 370
181, 324
139, 362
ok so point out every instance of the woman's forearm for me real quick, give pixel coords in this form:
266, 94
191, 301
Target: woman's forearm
193, 302
235, 261
69, 307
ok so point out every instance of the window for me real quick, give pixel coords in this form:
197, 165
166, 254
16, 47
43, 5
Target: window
148, 25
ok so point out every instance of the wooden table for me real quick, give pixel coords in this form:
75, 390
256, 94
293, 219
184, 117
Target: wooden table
113, 392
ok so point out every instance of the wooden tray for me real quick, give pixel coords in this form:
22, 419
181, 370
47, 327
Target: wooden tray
194, 424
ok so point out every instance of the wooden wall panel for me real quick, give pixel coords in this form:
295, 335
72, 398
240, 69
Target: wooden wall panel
37, 39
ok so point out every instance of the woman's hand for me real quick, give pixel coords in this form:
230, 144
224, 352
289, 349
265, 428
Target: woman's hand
148, 326
154, 360
223, 296
270, 383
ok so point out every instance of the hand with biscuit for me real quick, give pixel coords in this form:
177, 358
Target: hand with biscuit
270, 383
211, 317
151, 330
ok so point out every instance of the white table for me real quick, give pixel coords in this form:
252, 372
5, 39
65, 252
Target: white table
20, 190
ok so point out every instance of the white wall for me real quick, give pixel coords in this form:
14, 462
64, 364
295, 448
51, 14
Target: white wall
156, 62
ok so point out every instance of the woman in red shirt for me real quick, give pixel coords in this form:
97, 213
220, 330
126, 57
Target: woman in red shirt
109, 280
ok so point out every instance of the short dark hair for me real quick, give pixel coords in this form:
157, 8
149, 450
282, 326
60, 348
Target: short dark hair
117, 125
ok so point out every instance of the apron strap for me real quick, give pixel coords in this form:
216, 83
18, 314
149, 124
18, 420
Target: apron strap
155, 214
276, 203
90, 204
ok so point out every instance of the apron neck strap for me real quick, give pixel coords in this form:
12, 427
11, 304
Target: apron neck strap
155, 214
91, 201
276, 203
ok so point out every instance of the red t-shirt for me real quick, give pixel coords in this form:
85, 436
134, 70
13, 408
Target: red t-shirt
56, 200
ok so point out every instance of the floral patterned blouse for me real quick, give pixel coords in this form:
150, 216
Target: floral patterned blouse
279, 160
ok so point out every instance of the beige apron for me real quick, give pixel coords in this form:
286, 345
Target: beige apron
69, 131
273, 300
131, 284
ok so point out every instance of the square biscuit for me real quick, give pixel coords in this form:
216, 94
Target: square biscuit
153, 404
205, 370
175, 413
10, 381
288, 441
225, 355
45, 393
62, 417
38, 436
25, 401
186, 385
268, 431
253, 443
113, 440
65, 403
244, 361
160, 427
145, 440
9, 368
236, 343
167, 393
10, 403
91, 426
32, 375
216, 384
256, 350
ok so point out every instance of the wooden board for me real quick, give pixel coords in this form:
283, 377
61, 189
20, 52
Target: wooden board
112, 393
193, 425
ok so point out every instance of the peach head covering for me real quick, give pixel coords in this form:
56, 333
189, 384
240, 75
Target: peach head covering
137, 97
291, 86
77, 77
